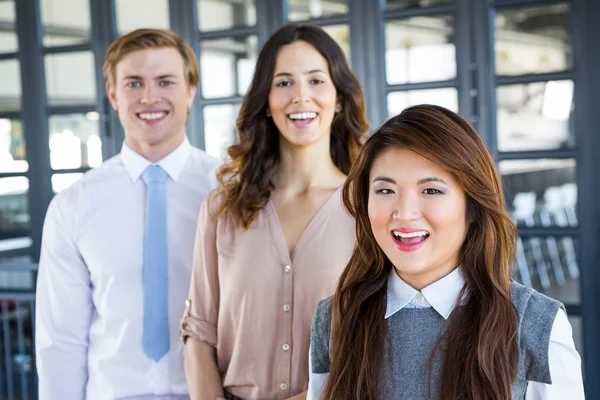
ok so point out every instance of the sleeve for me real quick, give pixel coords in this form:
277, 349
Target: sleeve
202, 306
565, 366
63, 309
318, 359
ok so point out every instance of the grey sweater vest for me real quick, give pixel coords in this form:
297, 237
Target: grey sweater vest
413, 335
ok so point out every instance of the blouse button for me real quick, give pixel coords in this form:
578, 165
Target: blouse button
283, 386
287, 269
285, 347
188, 303
421, 299
287, 308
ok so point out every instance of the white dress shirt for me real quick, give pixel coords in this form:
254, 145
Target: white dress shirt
89, 305
442, 295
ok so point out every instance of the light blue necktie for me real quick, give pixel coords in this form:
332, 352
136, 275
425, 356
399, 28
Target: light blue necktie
155, 275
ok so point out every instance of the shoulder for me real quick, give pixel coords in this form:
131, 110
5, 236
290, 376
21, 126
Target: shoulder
202, 158
92, 181
537, 314
320, 337
322, 314
530, 302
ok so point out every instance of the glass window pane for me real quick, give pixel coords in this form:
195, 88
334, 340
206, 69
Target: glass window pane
62, 181
13, 152
341, 34
70, 79
135, 14
535, 116
403, 4
227, 65
541, 193
534, 40
10, 258
219, 128
225, 14
10, 85
8, 37
311, 9
420, 49
65, 22
14, 214
75, 141
550, 265
398, 101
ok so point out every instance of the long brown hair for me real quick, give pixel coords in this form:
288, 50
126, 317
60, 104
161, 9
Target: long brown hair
246, 179
480, 346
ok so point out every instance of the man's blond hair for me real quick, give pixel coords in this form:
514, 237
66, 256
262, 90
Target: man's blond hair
141, 39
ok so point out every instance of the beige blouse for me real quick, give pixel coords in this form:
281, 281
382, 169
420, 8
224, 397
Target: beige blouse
254, 303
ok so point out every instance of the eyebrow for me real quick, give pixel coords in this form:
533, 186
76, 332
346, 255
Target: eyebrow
312, 71
420, 182
137, 77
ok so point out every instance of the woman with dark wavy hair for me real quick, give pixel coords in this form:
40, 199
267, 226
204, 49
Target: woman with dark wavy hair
274, 237
426, 308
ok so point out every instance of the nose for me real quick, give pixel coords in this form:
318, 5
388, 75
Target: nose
407, 208
300, 93
149, 95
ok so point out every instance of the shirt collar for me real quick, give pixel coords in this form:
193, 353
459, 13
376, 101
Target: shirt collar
172, 163
442, 294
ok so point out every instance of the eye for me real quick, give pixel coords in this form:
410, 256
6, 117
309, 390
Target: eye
384, 191
134, 84
284, 83
165, 83
432, 191
315, 81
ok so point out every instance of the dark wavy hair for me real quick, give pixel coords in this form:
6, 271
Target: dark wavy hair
480, 346
246, 179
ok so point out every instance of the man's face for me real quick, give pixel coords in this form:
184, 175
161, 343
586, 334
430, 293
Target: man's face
152, 97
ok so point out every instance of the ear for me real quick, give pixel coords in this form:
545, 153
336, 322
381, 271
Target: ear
338, 106
191, 95
111, 95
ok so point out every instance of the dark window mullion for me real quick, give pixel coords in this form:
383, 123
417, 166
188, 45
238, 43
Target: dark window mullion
73, 48
325, 21
221, 101
13, 174
555, 231
81, 170
504, 4
226, 33
9, 56
62, 110
418, 12
452, 83
502, 80
536, 154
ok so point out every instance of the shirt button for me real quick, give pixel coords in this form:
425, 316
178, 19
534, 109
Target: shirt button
287, 269
188, 302
287, 308
283, 386
285, 347
421, 299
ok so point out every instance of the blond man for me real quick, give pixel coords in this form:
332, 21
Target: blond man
117, 246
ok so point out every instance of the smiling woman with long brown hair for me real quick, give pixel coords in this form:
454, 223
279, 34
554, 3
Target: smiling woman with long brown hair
275, 237
426, 307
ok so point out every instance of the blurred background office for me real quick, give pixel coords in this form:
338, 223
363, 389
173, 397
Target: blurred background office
523, 72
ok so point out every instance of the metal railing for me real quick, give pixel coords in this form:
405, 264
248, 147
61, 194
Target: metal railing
18, 377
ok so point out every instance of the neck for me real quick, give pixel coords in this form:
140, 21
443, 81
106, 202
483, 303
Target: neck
303, 168
155, 151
